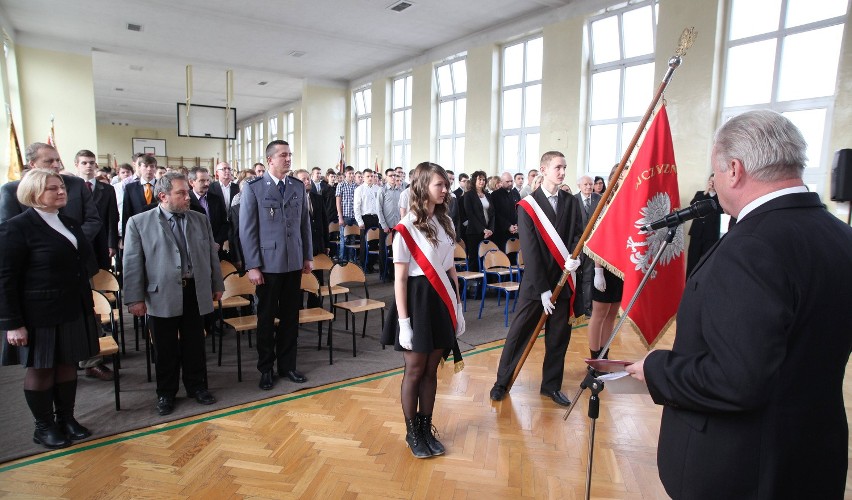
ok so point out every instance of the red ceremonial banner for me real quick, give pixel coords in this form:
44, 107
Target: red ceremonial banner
648, 192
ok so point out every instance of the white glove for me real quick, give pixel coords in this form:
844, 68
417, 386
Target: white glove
572, 265
546, 303
600, 281
460, 326
406, 334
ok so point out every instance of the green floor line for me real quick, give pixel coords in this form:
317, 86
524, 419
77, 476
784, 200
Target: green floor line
208, 418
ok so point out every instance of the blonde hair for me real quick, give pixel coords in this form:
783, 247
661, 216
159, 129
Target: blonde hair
34, 184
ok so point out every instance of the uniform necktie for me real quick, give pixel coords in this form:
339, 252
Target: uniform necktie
180, 239
149, 194
281, 187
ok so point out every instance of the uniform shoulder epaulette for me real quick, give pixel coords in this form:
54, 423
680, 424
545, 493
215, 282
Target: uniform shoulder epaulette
256, 179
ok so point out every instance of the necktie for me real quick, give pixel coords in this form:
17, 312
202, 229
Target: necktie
281, 187
553, 201
203, 202
89, 185
588, 205
180, 239
149, 194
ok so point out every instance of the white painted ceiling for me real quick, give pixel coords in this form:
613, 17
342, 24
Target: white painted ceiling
342, 41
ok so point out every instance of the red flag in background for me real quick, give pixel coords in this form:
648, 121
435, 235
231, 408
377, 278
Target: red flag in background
648, 192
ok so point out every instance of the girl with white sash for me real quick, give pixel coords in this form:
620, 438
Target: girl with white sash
427, 301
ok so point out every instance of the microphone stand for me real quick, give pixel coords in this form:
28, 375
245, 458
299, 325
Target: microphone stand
591, 380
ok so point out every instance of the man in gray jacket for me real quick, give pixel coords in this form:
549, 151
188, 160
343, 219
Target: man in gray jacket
275, 233
172, 274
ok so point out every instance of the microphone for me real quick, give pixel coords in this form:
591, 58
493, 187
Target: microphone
697, 209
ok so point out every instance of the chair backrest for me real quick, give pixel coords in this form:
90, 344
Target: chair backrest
349, 273
459, 253
238, 285
372, 234
105, 281
226, 267
310, 284
520, 258
496, 259
486, 246
334, 227
102, 305
322, 262
513, 245
352, 230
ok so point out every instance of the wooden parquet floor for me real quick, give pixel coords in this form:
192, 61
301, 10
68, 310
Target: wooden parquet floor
346, 440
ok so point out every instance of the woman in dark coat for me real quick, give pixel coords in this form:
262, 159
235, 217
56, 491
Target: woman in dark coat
480, 218
46, 306
704, 232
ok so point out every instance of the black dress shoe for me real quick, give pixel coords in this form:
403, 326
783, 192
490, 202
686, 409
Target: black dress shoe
557, 397
265, 381
296, 377
165, 405
498, 392
204, 397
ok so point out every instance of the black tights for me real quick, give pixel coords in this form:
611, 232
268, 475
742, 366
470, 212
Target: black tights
42, 379
420, 382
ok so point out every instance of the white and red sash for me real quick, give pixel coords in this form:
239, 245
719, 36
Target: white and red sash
550, 236
427, 258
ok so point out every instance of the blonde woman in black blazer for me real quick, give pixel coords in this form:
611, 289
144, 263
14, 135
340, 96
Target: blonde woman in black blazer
46, 308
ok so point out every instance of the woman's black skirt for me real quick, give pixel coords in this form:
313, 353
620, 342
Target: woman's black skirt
48, 346
430, 319
614, 289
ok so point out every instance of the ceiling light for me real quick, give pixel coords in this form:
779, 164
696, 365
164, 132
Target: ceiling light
119, 89
296, 53
262, 83
400, 6
134, 27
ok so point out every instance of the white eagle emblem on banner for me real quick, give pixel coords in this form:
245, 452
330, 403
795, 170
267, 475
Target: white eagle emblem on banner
643, 252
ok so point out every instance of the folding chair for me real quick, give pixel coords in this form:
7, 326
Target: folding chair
236, 285
226, 267
372, 234
497, 264
233, 302
108, 346
485, 246
316, 314
107, 283
334, 237
352, 241
351, 273
511, 248
460, 258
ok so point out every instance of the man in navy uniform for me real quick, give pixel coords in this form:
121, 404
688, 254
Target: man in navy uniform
275, 232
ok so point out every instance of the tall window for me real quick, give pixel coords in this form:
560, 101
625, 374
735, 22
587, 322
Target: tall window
260, 141
622, 60
237, 156
363, 122
452, 112
247, 135
401, 118
521, 105
783, 55
273, 128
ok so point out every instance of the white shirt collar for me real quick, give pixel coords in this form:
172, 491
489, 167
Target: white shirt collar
548, 193
769, 197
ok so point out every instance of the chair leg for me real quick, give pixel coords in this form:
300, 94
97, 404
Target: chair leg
147, 346
136, 330
115, 381
353, 334
239, 359
121, 326
319, 330
506, 311
364, 328
220, 343
330, 350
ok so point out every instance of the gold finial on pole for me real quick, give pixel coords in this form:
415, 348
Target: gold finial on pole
687, 38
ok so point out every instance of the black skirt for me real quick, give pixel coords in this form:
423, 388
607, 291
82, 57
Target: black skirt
48, 346
613, 292
430, 319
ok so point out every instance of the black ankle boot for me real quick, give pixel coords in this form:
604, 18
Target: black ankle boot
64, 398
46, 433
415, 440
594, 354
428, 431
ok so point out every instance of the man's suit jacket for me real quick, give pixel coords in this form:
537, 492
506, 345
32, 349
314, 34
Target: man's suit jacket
322, 185
330, 202
319, 223
134, 202
753, 387
103, 197
476, 224
706, 228
44, 280
541, 272
275, 231
152, 270
516, 194
218, 215
505, 215
79, 207
233, 189
593, 204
